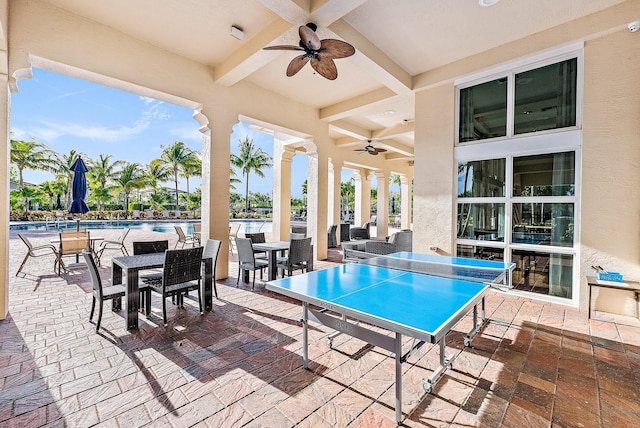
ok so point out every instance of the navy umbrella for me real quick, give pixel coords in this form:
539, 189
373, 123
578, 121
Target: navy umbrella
79, 188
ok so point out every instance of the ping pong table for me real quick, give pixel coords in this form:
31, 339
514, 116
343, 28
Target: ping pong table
418, 295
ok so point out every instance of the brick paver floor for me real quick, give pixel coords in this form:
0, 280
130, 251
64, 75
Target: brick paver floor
535, 363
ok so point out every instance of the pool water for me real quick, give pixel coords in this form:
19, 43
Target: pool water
246, 226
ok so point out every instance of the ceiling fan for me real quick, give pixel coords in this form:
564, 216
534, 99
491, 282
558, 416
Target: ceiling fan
370, 149
321, 53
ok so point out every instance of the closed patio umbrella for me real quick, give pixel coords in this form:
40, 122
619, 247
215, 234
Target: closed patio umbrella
58, 203
79, 189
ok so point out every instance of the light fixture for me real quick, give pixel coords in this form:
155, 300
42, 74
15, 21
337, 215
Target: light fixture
487, 3
237, 32
634, 26
389, 113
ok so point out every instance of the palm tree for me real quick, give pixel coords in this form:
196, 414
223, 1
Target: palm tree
101, 172
31, 155
233, 180
177, 155
131, 177
250, 159
49, 189
192, 167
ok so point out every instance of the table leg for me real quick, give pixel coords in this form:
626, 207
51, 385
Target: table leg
273, 257
398, 351
133, 299
305, 339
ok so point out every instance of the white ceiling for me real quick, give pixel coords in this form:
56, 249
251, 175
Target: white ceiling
394, 41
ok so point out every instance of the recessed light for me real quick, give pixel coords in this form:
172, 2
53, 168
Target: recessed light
389, 112
487, 3
237, 32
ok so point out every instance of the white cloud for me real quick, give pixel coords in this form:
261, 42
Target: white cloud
187, 133
100, 133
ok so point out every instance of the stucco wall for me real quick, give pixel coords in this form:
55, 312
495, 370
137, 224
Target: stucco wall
610, 233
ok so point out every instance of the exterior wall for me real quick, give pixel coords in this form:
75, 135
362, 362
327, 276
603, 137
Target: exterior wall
610, 233
610, 206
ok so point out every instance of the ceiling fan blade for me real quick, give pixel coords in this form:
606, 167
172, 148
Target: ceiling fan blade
379, 150
325, 67
296, 64
309, 38
360, 150
337, 48
283, 48
374, 153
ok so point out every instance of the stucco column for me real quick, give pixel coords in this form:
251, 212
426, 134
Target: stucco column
382, 216
282, 156
318, 170
362, 206
216, 155
405, 197
5, 101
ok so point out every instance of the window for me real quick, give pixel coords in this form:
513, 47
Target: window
539, 194
520, 102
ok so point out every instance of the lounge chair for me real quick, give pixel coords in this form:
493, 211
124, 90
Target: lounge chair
37, 251
135, 215
148, 214
177, 214
165, 214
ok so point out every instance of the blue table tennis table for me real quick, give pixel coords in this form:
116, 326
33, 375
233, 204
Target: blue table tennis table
418, 295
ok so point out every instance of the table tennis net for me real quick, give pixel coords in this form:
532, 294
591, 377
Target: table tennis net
465, 273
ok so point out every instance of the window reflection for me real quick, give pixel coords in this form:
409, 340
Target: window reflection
481, 221
544, 175
543, 224
483, 111
543, 273
484, 178
480, 252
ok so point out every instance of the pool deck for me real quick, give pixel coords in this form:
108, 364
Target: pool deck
535, 364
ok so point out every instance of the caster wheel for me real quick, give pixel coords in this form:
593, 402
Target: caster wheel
467, 342
330, 343
428, 388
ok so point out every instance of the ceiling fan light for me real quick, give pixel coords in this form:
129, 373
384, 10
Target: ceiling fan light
487, 3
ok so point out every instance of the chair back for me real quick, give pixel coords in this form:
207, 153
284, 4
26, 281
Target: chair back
234, 228
182, 266
256, 238
149, 247
135, 214
123, 235
403, 240
197, 227
297, 236
73, 242
26, 241
245, 250
95, 275
181, 235
299, 250
299, 229
211, 250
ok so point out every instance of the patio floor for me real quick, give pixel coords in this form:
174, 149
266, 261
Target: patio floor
535, 364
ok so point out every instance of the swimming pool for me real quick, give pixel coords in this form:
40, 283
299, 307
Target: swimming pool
246, 226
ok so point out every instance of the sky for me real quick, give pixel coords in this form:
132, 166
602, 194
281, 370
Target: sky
72, 114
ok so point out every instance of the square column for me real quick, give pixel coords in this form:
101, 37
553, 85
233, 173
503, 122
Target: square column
362, 206
281, 221
406, 206
382, 219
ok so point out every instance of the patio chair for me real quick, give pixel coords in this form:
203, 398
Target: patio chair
184, 239
117, 244
234, 228
332, 240
297, 235
197, 232
212, 250
135, 215
165, 215
149, 247
181, 273
73, 242
177, 214
149, 214
37, 251
115, 293
257, 238
297, 257
399, 241
247, 260
360, 232
299, 229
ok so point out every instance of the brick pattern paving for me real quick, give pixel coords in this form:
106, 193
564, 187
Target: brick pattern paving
535, 364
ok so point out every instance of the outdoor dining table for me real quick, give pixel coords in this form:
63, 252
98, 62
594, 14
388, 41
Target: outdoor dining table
272, 248
129, 266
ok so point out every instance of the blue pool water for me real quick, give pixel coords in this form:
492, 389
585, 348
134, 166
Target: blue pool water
246, 226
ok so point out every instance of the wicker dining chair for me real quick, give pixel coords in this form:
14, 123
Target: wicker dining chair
297, 257
257, 238
247, 260
115, 293
148, 247
212, 250
181, 273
